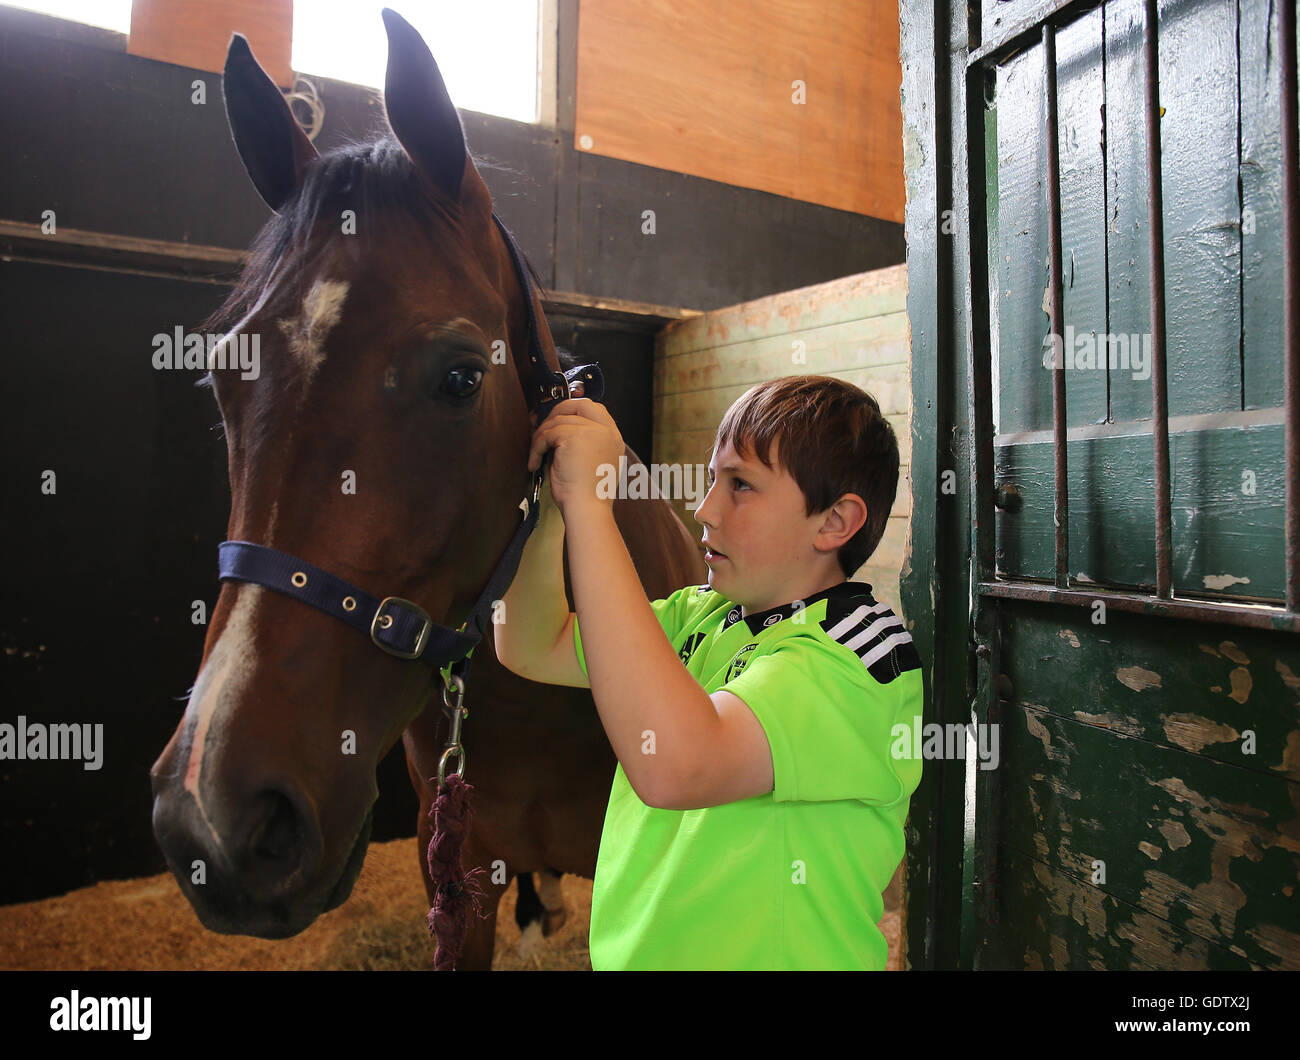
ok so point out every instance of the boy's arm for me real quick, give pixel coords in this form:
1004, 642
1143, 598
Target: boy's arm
666, 731
679, 747
535, 640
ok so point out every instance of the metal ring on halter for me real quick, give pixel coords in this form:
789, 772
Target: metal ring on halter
459, 752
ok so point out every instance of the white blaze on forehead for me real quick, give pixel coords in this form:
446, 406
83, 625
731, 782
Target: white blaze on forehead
223, 679
320, 312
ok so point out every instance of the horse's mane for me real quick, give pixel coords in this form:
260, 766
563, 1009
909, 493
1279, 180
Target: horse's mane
372, 177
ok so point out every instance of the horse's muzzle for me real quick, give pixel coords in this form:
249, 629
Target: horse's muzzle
259, 871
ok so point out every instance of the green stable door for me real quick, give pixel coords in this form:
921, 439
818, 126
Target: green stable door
1144, 811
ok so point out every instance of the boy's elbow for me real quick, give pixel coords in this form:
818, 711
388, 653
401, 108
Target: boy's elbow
650, 798
503, 657
666, 794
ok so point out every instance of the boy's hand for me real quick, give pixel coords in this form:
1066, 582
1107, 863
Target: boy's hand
584, 438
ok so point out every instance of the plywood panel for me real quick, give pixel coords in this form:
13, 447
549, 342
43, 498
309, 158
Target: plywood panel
710, 88
197, 33
702, 440
868, 294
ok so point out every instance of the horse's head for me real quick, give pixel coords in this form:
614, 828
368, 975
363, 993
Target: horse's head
384, 438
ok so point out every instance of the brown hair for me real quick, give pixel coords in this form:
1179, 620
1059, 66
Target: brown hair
832, 439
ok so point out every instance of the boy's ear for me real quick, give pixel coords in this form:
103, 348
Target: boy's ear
848, 509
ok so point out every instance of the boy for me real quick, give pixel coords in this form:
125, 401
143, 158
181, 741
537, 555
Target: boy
757, 812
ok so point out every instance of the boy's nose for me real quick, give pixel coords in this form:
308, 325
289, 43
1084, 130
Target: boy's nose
699, 512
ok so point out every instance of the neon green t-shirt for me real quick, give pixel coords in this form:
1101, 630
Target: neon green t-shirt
791, 879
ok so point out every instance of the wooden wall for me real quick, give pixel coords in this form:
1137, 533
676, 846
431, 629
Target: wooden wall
854, 329
712, 89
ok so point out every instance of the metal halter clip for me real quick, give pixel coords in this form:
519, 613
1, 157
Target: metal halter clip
458, 714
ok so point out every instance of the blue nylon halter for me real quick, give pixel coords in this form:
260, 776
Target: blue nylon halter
401, 627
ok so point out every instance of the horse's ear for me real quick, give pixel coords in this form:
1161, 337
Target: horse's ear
420, 111
272, 145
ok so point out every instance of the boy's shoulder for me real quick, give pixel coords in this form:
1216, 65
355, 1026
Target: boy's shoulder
859, 623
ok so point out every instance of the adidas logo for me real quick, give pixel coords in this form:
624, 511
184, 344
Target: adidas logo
877, 636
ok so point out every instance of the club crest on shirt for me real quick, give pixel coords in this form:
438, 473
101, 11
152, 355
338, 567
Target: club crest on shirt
738, 661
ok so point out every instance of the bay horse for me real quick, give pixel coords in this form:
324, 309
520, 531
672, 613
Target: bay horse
381, 441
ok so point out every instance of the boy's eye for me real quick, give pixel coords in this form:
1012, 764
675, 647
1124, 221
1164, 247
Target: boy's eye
741, 482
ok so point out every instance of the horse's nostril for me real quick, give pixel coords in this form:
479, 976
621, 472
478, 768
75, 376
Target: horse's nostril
282, 847
276, 836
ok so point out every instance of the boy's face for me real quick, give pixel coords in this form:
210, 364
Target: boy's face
762, 546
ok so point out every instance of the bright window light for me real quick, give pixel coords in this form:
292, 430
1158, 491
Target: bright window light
111, 14
486, 50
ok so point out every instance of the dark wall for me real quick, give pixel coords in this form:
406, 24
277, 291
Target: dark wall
95, 626
99, 577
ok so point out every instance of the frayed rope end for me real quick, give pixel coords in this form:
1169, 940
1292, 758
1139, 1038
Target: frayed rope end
455, 892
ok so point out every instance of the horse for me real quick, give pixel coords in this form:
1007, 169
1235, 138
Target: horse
384, 439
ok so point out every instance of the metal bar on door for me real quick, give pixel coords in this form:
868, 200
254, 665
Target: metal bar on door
1290, 297
1156, 231
1060, 515
1250, 616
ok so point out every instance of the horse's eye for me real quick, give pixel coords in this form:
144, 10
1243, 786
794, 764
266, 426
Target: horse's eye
461, 382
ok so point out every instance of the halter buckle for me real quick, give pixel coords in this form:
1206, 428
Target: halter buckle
420, 641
